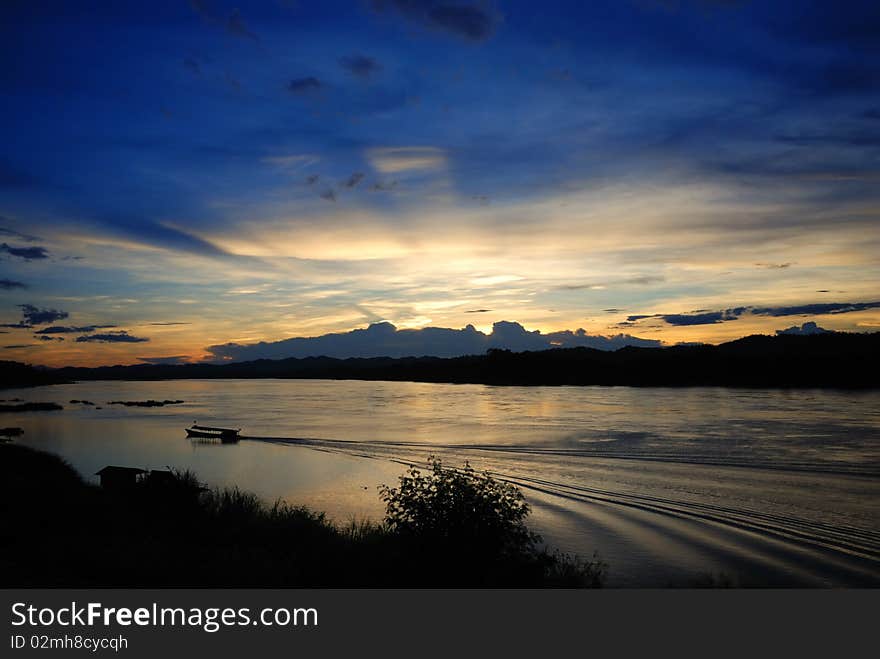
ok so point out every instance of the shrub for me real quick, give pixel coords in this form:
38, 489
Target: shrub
470, 528
459, 508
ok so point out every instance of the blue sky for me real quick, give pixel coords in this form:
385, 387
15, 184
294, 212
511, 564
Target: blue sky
266, 170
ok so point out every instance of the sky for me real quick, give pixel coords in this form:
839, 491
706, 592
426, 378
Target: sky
181, 178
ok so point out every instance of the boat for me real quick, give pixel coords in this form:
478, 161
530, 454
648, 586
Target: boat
6, 434
213, 432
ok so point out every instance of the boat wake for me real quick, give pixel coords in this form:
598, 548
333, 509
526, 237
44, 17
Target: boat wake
848, 545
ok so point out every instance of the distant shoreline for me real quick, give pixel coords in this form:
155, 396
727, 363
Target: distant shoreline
834, 361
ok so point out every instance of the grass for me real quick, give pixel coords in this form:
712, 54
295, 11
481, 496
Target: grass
60, 531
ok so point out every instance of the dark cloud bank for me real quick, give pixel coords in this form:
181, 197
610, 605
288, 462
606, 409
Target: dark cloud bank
704, 317
111, 337
62, 329
31, 315
26, 253
385, 340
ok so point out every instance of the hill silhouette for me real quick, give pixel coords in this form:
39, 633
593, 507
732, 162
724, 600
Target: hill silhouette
817, 360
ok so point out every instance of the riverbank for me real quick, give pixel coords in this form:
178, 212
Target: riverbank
836, 360
169, 531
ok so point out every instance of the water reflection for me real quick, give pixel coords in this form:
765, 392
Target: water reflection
639, 474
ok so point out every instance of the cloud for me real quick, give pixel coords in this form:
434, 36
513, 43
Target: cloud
703, 317
708, 318
381, 186
19, 345
353, 180
817, 309
167, 361
307, 85
26, 253
9, 284
478, 311
111, 337
804, 330
360, 65
774, 266
390, 160
32, 315
641, 280
469, 22
384, 340
292, 162
50, 338
166, 324
236, 27
15, 234
192, 65
59, 329
329, 195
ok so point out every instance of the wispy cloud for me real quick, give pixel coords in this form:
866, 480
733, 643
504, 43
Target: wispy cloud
26, 253
10, 284
392, 160
292, 162
360, 65
235, 26
463, 20
111, 337
353, 180
192, 65
641, 280
307, 85
4, 231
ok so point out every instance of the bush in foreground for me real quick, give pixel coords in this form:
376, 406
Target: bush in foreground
471, 527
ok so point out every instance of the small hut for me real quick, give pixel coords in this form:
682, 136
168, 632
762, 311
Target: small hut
113, 477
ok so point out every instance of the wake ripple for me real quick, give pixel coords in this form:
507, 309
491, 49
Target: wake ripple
859, 542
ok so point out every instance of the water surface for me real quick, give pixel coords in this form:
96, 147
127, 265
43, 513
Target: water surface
769, 487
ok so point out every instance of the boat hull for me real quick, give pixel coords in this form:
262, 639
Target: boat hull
222, 436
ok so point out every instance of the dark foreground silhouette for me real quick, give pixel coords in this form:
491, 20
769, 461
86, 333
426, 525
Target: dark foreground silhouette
445, 527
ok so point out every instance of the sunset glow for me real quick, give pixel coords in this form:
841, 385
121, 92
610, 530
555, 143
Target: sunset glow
170, 181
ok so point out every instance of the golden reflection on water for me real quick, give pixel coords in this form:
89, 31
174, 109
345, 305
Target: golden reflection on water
648, 476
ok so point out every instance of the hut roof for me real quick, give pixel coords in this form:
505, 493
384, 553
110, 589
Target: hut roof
111, 469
